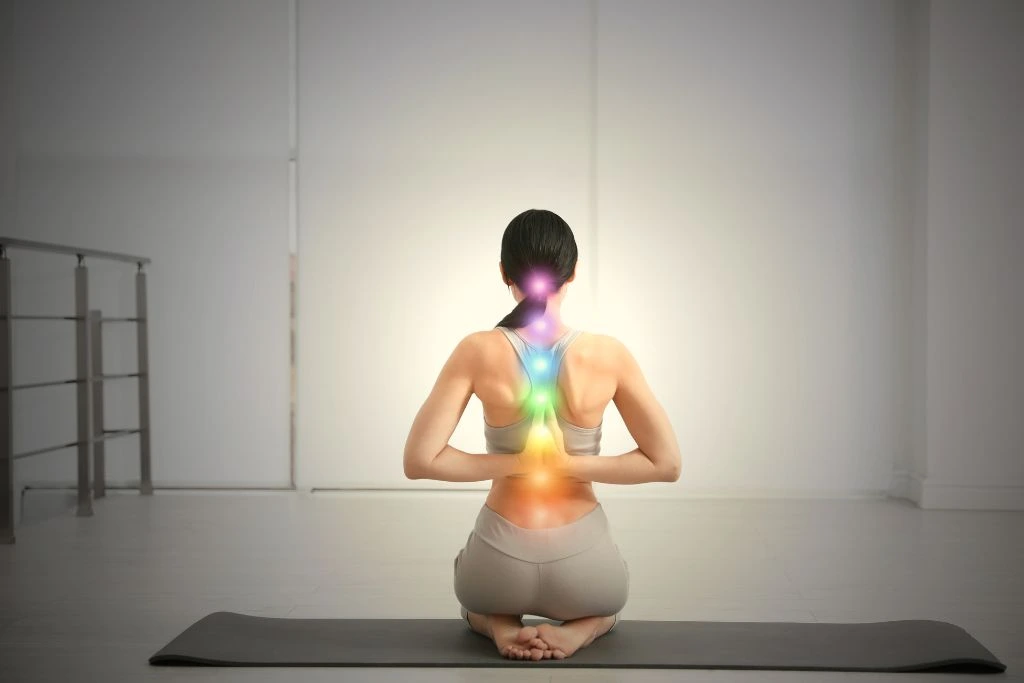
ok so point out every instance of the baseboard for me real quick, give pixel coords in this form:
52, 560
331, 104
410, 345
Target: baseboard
609, 491
133, 485
939, 496
930, 494
923, 492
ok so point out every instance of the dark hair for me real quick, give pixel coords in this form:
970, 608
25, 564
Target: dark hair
536, 243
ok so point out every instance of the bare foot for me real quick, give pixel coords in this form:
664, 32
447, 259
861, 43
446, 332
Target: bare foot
563, 640
513, 640
528, 636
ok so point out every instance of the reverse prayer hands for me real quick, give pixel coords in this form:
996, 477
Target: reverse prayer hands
544, 456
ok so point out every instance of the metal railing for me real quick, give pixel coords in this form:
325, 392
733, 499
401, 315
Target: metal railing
92, 433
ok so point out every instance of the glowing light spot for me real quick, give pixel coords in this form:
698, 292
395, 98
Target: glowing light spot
539, 285
542, 398
540, 324
540, 364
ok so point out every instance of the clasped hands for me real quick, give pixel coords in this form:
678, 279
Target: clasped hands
544, 455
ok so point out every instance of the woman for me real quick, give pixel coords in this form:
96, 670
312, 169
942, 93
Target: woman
541, 543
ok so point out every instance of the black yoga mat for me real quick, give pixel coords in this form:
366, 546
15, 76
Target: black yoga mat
229, 639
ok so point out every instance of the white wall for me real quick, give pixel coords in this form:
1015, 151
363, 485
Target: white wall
159, 129
975, 246
745, 167
424, 128
803, 217
751, 237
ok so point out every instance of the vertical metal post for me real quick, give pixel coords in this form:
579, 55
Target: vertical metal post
99, 475
84, 386
142, 334
6, 405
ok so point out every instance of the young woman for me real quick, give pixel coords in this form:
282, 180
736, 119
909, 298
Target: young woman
541, 543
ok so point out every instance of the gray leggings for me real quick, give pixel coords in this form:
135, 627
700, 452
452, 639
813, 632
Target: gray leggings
560, 573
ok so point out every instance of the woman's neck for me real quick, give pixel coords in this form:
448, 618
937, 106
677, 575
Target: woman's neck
544, 331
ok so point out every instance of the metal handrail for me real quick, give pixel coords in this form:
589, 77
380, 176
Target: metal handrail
71, 251
108, 434
67, 317
90, 381
61, 382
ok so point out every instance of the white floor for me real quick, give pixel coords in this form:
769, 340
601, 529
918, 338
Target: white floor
90, 599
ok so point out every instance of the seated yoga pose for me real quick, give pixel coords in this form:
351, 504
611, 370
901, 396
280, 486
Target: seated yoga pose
541, 543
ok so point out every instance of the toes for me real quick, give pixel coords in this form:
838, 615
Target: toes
526, 634
558, 654
539, 644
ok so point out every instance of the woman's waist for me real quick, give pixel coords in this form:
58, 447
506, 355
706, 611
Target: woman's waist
533, 504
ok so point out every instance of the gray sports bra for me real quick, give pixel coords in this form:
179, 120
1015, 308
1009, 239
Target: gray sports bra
512, 438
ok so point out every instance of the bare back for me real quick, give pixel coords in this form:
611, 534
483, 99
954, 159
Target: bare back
586, 384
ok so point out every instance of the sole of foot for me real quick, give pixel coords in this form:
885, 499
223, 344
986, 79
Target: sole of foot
513, 640
565, 639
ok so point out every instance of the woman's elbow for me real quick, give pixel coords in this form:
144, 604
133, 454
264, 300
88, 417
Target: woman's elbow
672, 473
413, 468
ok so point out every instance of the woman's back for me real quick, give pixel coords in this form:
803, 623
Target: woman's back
586, 383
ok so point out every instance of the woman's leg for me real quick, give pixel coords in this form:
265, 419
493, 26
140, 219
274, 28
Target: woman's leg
494, 590
592, 583
488, 581
587, 591
465, 615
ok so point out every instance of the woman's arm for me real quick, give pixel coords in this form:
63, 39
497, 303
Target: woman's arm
440, 413
656, 457
629, 468
451, 464
456, 465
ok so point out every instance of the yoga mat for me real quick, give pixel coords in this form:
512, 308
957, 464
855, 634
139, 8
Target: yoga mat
230, 639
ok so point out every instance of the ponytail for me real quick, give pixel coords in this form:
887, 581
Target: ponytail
538, 254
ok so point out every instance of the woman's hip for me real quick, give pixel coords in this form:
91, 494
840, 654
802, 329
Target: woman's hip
544, 544
536, 578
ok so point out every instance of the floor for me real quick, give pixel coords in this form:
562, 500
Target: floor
90, 599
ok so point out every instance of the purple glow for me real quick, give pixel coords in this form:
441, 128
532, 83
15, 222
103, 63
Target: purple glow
539, 284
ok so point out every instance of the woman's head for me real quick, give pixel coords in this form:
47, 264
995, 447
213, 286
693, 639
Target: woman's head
538, 256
